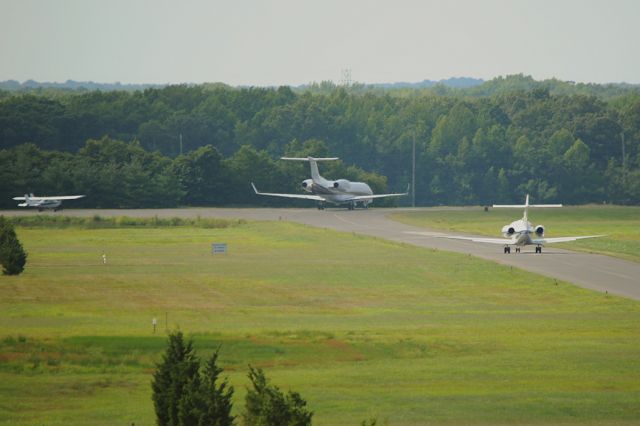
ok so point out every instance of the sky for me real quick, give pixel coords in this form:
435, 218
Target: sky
293, 42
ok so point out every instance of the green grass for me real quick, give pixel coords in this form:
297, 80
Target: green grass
361, 327
620, 225
97, 221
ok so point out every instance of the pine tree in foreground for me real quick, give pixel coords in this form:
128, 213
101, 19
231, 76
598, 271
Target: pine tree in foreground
266, 405
12, 255
173, 377
185, 396
204, 402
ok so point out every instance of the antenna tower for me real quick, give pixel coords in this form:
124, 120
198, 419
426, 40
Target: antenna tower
346, 77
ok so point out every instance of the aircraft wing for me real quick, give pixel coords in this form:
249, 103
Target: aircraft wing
368, 197
502, 241
53, 198
562, 239
301, 196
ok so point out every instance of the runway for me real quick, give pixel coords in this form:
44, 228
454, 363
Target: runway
591, 271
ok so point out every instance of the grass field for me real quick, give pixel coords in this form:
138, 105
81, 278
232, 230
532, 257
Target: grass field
621, 225
361, 327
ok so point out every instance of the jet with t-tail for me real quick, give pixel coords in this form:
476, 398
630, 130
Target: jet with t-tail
339, 192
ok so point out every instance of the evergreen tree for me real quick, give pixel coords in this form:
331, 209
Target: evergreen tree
174, 377
266, 405
12, 255
218, 398
204, 402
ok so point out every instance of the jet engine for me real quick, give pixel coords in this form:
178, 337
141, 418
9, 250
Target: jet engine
511, 231
307, 184
343, 184
540, 230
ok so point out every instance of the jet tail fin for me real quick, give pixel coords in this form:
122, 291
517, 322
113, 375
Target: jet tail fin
315, 174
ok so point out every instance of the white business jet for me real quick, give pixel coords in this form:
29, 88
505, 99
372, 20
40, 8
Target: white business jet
41, 203
521, 233
324, 191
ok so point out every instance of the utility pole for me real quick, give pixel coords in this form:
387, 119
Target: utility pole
413, 173
624, 162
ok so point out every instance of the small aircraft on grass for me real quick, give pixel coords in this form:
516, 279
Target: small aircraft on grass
41, 203
324, 191
521, 233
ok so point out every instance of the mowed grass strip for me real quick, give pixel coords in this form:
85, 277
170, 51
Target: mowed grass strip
361, 327
619, 224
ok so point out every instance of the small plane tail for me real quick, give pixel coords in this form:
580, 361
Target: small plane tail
315, 174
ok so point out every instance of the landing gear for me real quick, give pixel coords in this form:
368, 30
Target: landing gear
352, 205
320, 205
507, 250
539, 249
517, 249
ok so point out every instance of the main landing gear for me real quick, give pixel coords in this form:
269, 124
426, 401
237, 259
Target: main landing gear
320, 205
507, 249
352, 205
539, 249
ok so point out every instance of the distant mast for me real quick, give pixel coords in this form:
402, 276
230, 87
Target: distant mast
346, 78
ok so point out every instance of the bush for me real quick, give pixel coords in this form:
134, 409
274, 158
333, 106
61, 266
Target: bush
184, 396
266, 405
179, 366
12, 255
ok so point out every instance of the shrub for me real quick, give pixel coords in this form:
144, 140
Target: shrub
12, 255
182, 395
266, 405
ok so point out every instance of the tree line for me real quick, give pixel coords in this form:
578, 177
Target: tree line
202, 145
117, 174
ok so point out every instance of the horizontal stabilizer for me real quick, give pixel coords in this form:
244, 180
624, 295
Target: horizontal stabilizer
522, 206
309, 159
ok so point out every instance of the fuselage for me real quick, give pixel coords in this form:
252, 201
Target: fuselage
42, 204
339, 191
521, 231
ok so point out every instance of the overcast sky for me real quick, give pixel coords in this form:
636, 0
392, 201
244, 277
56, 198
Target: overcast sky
260, 43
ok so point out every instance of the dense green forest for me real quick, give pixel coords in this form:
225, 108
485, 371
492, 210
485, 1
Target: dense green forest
203, 145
